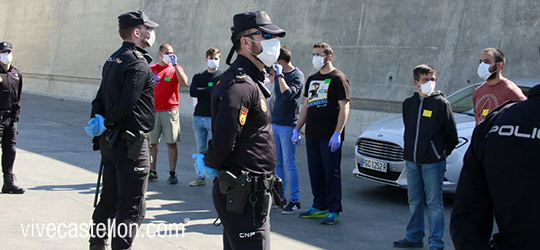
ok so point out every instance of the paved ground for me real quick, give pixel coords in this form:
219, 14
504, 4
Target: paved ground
56, 165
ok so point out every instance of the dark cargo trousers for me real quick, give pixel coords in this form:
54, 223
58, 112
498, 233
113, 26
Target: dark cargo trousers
123, 195
9, 140
239, 233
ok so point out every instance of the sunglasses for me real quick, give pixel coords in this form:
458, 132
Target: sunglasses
263, 34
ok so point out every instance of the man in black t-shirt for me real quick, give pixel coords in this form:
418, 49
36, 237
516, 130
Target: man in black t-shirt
324, 112
201, 87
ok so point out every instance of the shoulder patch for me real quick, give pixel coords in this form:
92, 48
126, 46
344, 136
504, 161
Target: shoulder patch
138, 54
243, 115
263, 105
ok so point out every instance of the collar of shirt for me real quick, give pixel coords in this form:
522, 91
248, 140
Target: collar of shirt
2, 70
251, 68
535, 91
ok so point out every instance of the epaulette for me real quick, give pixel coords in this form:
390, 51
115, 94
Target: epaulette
240, 73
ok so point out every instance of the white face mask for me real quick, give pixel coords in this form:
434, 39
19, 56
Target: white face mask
270, 52
483, 71
152, 38
166, 59
427, 88
213, 64
318, 62
6, 58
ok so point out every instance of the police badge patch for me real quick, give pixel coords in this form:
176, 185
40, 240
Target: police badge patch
243, 115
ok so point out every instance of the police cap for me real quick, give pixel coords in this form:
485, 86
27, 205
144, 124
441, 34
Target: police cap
5, 46
135, 18
256, 19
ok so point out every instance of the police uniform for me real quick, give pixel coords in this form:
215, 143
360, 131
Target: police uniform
500, 178
10, 97
242, 144
126, 100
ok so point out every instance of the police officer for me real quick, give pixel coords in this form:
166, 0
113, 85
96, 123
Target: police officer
123, 114
242, 144
10, 97
500, 177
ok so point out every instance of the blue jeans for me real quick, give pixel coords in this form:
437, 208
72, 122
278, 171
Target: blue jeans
425, 186
285, 155
202, 127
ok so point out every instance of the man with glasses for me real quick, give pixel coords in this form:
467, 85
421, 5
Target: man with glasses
430, 136
497, 89
168, 75
325, 112
242, 145
123, 114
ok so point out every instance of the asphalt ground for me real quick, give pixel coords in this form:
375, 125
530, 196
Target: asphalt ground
56, 165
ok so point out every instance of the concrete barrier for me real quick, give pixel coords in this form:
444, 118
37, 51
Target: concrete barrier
61, 45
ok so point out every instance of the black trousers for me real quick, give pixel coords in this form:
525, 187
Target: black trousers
9, 139
239, 233
122, 196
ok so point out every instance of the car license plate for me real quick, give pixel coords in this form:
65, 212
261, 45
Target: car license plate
375, 165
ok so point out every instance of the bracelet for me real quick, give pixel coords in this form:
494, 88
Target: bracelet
281, 75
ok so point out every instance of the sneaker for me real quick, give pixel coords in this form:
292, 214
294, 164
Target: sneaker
291, 208
407, 244
313, 213
197, 182
331, 219
152, 176
172, 179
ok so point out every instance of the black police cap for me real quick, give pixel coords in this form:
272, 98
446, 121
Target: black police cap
5, 46
135, 18
256, 19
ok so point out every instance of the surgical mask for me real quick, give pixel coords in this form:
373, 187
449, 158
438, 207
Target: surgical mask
166, 58
152, 38
427, 88
213, 64
270, 52
318, 62
483, 71
6, 58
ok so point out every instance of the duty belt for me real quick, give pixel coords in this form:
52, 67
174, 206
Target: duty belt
4, 114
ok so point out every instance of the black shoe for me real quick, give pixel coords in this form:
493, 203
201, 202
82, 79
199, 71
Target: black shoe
98, 247
152, 176
172, 179
9, 186
407, 244
291, 208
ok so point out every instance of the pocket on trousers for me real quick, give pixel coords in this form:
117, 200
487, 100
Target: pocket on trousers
174, 115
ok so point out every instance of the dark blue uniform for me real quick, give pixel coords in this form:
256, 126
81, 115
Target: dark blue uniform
500, 177
10, 96
242, 140
126, 100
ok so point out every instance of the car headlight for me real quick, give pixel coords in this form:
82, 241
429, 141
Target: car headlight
461, 141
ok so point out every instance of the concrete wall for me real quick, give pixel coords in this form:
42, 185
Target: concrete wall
61, 45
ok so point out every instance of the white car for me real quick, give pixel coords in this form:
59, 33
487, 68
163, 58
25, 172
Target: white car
379, 148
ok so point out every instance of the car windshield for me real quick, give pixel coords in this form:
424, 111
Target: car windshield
462, 101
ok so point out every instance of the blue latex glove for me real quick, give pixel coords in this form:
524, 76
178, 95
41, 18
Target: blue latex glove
201, 169
92, 130
295, 137
101, 123
97, 126
173, 59
278, 68
335, 142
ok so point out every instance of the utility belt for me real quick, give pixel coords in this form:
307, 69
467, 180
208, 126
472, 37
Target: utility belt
256, 189
134, 140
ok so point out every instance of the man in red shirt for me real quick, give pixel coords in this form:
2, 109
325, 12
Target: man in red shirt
167, 77
497, 89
